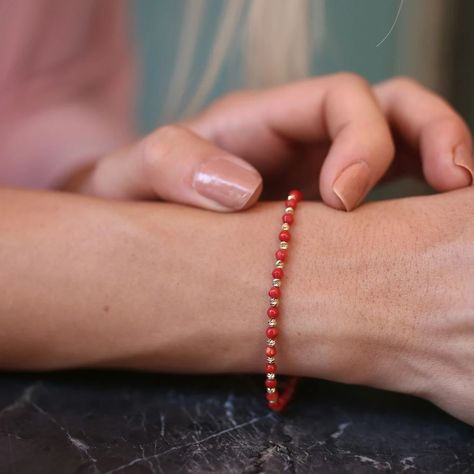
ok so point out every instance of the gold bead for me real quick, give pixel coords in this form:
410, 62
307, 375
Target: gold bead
271, 390
272, 323
274, 302
270, 360
279, 264
289, 210
270, 376
276, 282
285, 226
271, 342
283, 245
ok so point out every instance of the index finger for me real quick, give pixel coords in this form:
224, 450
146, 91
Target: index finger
343, 109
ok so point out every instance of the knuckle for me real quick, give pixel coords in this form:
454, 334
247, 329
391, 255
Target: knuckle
167, 133
231, 99
351, 80
403, 83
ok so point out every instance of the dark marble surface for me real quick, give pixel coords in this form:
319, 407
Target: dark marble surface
102, 422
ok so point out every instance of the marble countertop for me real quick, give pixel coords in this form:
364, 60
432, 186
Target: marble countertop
118, 422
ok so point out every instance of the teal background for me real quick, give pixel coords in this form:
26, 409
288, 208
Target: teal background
352, 31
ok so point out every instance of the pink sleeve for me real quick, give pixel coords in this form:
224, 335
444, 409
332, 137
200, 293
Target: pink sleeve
65, 87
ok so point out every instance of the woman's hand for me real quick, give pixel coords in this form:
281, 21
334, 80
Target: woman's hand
344, 130
393, 298
337, 127
427, 307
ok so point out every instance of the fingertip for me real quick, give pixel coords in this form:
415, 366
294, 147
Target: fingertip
451, 170
328, 196
349, 188
464, 161
253, 198
446, 151
185, 168
244, 204
334, 200
228, 181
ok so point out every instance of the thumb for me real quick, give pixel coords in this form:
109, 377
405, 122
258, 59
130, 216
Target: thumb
175, 164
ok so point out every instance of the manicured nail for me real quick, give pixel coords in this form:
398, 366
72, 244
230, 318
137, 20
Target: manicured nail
229, 182
464, 159
352, 184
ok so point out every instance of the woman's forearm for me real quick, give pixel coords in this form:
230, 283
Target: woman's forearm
87, 282
90, 282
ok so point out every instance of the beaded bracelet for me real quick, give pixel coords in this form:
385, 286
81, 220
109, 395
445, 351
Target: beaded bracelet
277, 402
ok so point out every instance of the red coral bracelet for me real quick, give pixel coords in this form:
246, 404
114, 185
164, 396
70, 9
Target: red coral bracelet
277, 401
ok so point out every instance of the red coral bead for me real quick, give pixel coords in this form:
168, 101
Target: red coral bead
270, 383
297, 194
272, 397
270, 351
270, 368
274, 292
277, 273
273, 312
272, 333
288, 218
281, 254
276, 406
285, 236
291, 203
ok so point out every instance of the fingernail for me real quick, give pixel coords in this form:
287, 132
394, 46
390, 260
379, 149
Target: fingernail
228, 181
464, 159
352, 184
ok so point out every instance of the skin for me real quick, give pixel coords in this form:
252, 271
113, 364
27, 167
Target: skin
381, 296
390, 306
292, 134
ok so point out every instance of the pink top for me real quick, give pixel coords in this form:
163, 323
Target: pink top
65, 87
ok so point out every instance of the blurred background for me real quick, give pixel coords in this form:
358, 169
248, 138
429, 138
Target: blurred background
429, 40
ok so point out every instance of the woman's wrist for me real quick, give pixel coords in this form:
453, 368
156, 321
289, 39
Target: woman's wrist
321, 320
213, 290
